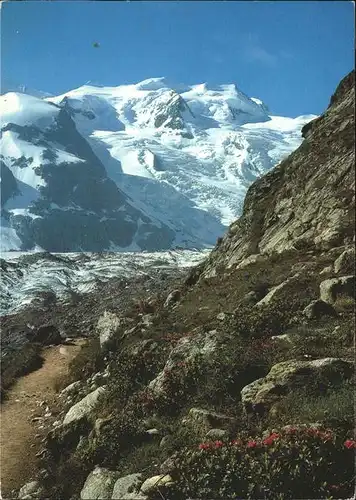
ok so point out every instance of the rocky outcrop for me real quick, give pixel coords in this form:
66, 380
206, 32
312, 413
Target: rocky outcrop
287, 376
307, 201
107, 327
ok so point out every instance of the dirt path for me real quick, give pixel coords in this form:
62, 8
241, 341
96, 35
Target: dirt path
23, 421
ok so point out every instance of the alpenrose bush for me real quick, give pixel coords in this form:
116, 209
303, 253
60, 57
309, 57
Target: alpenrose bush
292, 463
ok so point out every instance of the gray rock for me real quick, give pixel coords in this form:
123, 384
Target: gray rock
153, 432
331, 288
172, 298
217, 434
276, 291
71, 388
345, 263
83, 408
154, 483
187, 349
127, 487
31, 490
221, 316
107, 327
318, 308
285, 377
205, 420
99, 484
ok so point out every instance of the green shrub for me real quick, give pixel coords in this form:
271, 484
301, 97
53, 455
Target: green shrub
335, 407
275, 467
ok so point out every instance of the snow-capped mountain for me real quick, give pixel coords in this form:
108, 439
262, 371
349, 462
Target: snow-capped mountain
135, 167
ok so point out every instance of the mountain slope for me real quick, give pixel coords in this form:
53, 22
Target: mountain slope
176, 159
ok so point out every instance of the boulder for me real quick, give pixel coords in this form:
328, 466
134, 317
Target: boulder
204, 420
84, 407
31, 490
99, 484
276, 291
201, 345
172, 298
284, 377
155, 483
318, 308
331, 288
345, 263
128, 487
107, 327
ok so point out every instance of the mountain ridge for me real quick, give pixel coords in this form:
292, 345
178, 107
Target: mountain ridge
183, 160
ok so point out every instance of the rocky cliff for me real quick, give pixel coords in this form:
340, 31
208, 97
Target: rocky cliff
308, 200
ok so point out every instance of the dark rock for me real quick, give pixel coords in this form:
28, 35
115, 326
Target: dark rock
318, 308
46, 335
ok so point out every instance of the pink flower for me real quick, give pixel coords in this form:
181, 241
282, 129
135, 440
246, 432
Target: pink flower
218, 444
252, 444
350, 443
236, 442
204, 446
271, 439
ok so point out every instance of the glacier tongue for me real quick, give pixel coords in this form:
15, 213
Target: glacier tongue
183, 155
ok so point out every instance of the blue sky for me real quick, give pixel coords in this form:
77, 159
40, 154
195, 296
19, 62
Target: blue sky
289, 54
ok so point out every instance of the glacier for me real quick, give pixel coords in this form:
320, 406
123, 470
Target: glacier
148, 166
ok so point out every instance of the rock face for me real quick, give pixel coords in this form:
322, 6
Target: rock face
84, 407
308, 200
286, 376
